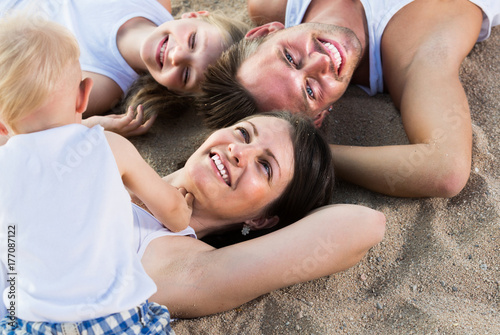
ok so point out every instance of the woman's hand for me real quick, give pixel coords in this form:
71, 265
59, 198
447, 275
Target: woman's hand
128, 125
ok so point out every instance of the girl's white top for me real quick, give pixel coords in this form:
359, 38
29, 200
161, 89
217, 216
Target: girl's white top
95, 24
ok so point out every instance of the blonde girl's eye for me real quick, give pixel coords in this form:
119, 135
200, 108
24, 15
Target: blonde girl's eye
185, 75
192, 41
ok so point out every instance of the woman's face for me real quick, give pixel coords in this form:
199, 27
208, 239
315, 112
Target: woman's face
178, 52
239, 170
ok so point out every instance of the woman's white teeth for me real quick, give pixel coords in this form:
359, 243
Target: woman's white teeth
335, 53
162, 51
221, 168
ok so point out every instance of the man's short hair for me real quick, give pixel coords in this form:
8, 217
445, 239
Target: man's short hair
224, 100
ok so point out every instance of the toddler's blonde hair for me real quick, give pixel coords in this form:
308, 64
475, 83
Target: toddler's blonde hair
34, 53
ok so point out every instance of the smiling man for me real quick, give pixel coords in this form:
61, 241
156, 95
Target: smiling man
411, 49
306, 67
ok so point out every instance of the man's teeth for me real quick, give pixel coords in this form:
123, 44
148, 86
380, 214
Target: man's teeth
335, 53
221, 168
162, 51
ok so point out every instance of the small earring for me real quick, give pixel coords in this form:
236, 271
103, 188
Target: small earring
330, 109
245, 230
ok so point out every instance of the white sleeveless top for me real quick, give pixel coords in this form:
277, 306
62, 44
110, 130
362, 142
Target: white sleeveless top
95, 24
147, 228
378, 13
67, 232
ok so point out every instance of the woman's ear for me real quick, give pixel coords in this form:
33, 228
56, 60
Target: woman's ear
194, 15
264, 30
262, 223
82, 100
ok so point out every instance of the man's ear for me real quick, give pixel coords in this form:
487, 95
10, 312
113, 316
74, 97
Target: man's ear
264, 30
262, 223
82, 100
194, 15
318, 119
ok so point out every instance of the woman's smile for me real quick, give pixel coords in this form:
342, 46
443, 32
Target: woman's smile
221, 170
232, 169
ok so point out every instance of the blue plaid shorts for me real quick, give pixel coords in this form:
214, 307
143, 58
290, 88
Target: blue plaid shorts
148, 318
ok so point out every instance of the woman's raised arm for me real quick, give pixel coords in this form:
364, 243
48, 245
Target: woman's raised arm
195, 279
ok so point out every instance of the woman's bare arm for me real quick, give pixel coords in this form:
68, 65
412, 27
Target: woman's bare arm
195, 279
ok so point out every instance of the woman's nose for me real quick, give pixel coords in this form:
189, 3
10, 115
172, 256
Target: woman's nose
242, 153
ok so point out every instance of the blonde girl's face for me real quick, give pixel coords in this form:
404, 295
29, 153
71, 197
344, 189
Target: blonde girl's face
178, 52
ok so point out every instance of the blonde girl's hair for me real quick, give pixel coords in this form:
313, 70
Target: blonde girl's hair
233, 29
34, 53
156, 98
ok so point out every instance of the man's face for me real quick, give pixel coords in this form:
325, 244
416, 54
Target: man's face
303, 69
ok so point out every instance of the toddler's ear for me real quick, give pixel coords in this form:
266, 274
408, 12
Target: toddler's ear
193, 15
82, 100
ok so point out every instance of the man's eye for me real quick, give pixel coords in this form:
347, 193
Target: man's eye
309, 90
244, 133
192, 40
289, 58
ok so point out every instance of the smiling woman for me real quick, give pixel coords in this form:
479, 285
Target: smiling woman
257, 163
122, 39
265, 172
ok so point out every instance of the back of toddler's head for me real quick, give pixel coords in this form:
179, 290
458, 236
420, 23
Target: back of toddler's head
34, 52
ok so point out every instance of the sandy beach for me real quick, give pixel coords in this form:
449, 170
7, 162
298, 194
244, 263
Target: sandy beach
437, 269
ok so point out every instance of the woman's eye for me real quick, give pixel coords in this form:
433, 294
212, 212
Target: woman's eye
309, 91
267, 168
185, 76
192, 40
244, 133
289, 58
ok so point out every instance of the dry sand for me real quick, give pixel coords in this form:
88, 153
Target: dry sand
436, 271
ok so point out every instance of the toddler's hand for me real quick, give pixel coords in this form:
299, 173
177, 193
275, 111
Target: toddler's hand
129, 124
189, 198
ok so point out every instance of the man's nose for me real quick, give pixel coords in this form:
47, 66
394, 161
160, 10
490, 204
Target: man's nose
319, 64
